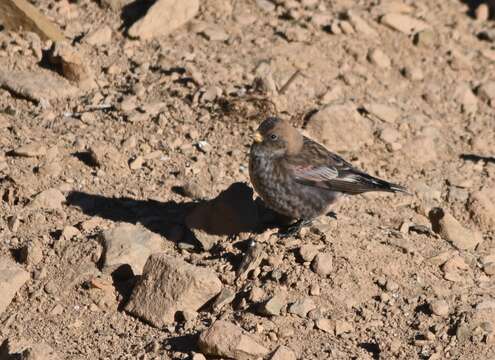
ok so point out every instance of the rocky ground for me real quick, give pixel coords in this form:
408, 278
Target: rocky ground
128, 226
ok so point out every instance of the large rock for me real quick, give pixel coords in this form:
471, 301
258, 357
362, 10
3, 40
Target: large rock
131, 245
12, 277
39, 87
340, 128
451, 230
20, 14
283, 353
169, 285
163, 17
225, 339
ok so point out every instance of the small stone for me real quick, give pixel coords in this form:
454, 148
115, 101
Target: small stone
486, 92
309, 252
379, 58
69, 232
283, 353
50, 287
198, 357
382, 112
482, 207
215, 33
451, 230
48, 199
256, 294
32, 253
163, 17
391, 286
251, 260
169, 285
274, 305
302, 307
413, 73
439, 307
482, 12
128, 104
136, 163
425, 38
342, 327
31, 150
224, 339
12, 278
403, 23
315, 290
346, 27
57, 310
326, 325
100, 36
40, 351
130, 245
360, 25
73, 65
322, 264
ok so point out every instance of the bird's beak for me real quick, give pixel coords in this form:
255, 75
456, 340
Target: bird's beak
257, 137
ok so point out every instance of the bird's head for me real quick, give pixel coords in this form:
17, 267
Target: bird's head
276, 137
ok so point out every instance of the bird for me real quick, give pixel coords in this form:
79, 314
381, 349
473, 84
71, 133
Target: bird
301, 179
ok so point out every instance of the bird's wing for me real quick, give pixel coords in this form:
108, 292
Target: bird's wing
318, 167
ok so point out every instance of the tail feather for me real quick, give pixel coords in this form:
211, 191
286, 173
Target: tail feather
382, 185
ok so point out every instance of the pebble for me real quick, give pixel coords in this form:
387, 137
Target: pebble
32, 253
274, 305
309, 252
413, 73
342, 327
382, 112
481, 206
31, 150
215, 33
315, 290
360, 25
482, 12
489, 268
100, 36
439, 307
379, 58
486, 92
391, 286
224, 339
302, 307
225, 297
403, 23
425, 38
451, 230
326, 325
136, 163
322, 264
256, 294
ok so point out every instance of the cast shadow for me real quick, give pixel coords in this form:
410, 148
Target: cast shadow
476, 158
232, 212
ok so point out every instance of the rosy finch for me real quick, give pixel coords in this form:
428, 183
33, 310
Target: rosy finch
300, 178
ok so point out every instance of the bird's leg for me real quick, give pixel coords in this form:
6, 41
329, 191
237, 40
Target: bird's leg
294, 229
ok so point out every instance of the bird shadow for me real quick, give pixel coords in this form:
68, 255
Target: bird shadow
476, 158
233, 211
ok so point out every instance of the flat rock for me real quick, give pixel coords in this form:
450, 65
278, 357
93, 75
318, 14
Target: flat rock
163, 17
169, 285
224, 339
451, 230
340, 128
48, 199
129, 244
206, 240
40, 86
31, 150
302, 307
283, 353
12, 277
403, 23
20, 14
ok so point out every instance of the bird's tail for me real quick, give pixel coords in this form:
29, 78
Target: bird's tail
376, 184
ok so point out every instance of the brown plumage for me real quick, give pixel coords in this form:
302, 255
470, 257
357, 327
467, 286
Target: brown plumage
300, 178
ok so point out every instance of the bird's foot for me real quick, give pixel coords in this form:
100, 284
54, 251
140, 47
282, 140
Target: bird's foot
293, 229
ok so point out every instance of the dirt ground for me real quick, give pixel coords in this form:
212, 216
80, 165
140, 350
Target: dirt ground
167, 128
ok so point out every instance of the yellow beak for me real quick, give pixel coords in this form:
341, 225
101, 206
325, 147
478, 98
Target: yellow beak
257, 137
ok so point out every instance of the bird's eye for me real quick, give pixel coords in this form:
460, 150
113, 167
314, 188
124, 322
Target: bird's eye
273, 137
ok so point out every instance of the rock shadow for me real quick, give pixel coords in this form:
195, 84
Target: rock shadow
133, 12
476, 158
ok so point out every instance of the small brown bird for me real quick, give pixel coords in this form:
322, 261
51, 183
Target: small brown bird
300, 178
